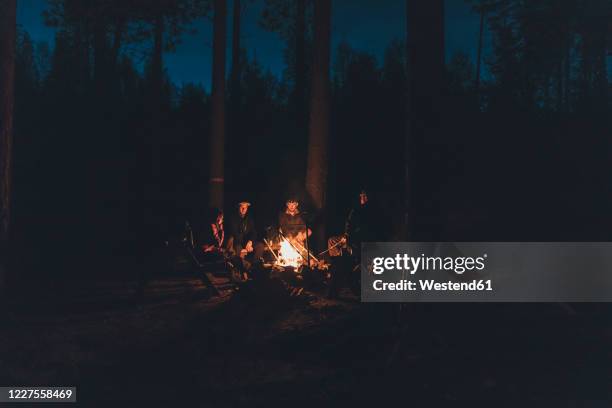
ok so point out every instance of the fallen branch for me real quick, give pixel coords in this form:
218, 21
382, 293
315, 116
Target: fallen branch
310, 253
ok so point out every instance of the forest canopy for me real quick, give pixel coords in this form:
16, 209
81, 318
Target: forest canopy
102, 130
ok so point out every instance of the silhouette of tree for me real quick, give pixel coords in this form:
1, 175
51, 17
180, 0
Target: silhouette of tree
506, 63
407, 202
217, 140
479, 57
482, 7
357, 82
545, 56
539, 46
300, 60
593, 30
393, 126
104, 26
318, 136
8, 34
236, 54
426, 82
460, 73
92, 23
292, 20
235, 138
27, 75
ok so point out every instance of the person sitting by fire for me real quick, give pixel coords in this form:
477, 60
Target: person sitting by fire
241, 243
203, 241
291, 222
213, 235
361, 226
356, 228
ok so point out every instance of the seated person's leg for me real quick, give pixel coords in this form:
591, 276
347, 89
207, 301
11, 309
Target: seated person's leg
242, 261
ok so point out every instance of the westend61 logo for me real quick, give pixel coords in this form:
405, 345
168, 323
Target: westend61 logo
486, 272
412, 264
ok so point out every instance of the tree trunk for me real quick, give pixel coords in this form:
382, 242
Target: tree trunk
316, 170
217, 139
601, 83
7, 99
560, 85
157, 62
100, 62
81, 40
408, 220
300, 63
479, 56
236, 63
156, 108
117, 40
425, 39
567, 72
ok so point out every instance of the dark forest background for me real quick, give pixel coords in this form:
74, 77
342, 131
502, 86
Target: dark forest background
111, 157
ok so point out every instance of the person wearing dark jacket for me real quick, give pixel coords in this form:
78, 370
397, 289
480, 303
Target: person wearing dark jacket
241, 238
291, 223
362, 225
204, 245
241, 232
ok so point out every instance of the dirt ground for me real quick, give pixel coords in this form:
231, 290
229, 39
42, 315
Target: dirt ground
173, 345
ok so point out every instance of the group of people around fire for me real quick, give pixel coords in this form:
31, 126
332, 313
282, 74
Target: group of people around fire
236, 239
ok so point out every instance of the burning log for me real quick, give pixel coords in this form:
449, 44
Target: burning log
309, 253
289, 254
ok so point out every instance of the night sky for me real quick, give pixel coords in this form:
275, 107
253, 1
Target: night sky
368, 25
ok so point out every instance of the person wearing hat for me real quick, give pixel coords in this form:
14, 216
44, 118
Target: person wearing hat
290, 221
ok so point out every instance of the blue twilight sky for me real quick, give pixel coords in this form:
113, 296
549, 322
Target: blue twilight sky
368, 25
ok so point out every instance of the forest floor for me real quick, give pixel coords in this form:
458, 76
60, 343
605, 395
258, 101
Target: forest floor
173, 345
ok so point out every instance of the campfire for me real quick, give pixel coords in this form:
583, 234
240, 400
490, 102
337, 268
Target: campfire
288, 255
292, 254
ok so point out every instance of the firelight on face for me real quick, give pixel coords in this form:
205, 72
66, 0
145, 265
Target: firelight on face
292, 206
363, 198
243, 208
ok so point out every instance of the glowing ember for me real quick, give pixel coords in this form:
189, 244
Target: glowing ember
288, 256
